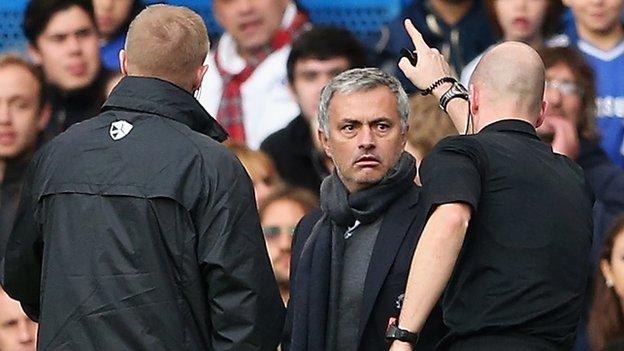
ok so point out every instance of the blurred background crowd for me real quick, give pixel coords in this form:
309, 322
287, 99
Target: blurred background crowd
268, 62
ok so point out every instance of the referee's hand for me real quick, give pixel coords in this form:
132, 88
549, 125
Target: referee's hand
431, 65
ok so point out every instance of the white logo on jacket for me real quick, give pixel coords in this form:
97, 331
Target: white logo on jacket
120, 129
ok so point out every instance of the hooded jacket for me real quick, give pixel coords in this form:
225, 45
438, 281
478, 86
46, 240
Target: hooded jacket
138, 231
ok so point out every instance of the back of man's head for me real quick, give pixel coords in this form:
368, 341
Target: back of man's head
167, 42
323, 43
507, 83
39, 12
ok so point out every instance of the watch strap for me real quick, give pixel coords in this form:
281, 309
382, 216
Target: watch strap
455, 91
395, 333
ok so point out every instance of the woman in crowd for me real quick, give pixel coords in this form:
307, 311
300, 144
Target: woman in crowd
279, 214
606, 320
528, 21
260, 168
113, 18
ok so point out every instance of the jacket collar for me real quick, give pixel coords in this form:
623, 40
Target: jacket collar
511, 125
159, 97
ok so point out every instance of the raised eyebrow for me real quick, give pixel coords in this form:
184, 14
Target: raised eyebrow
381, 119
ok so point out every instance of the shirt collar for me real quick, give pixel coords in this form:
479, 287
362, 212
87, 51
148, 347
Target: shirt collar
511, 125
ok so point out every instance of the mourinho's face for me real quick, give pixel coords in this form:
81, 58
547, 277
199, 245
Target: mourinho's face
17, 331
251, 23
68, 49
279, 219
364, 139
21, 117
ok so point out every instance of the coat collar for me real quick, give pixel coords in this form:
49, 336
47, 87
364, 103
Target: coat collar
511, 125
156, 96
394, 226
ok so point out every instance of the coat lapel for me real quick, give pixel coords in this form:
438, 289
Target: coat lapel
394, 227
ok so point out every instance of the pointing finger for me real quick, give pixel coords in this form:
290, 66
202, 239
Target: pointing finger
417, 39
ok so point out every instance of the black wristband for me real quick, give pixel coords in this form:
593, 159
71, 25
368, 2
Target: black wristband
395, 333
437, 83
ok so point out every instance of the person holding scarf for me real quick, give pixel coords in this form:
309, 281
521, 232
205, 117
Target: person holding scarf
350, 258
246, 87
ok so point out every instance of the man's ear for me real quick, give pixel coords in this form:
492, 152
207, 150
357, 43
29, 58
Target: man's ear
44, 117
474, 99
542, 114
404, 136
35, 54
123, 62
324, 142
199, 77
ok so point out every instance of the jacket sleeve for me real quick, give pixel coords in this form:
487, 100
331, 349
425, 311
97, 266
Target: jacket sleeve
23, 256
246, 311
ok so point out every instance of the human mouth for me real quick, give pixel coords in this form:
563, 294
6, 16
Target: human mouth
521, 23
367, 161
250, 26
77, 69
7, 138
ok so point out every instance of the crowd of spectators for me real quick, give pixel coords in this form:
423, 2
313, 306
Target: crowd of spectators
263, 85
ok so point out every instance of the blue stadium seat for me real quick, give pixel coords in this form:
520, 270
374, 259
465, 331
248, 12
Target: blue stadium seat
11, 36
363, 17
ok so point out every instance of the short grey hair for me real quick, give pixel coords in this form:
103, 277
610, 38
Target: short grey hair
362, 79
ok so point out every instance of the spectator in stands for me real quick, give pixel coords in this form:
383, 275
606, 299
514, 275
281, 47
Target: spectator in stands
316, 57
245, 85
63, 40
17, 331
260, 168
24, 115
570, 126
279, 214
606, 320
532, 22
113, 18
455, 27
599, 36
428, 124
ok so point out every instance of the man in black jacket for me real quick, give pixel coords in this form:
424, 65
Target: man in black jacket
350, 259
137, 231
509, 231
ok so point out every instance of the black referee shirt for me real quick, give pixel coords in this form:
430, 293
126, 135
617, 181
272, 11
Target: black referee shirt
523, 267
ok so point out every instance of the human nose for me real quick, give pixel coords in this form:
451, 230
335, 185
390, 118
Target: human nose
553, 96
285, 241
245, 6
5, 113
73, 44
366, 138
106, 5
25, 334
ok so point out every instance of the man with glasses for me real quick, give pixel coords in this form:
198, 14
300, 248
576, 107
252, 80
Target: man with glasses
279, 214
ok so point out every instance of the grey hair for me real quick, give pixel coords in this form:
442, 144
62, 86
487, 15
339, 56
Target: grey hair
362, 79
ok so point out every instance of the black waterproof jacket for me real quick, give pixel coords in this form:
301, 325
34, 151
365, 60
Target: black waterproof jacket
148, 242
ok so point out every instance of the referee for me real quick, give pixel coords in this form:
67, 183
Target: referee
510, 228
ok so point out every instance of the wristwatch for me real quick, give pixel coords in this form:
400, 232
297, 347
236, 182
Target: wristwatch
395, 333
455, 91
